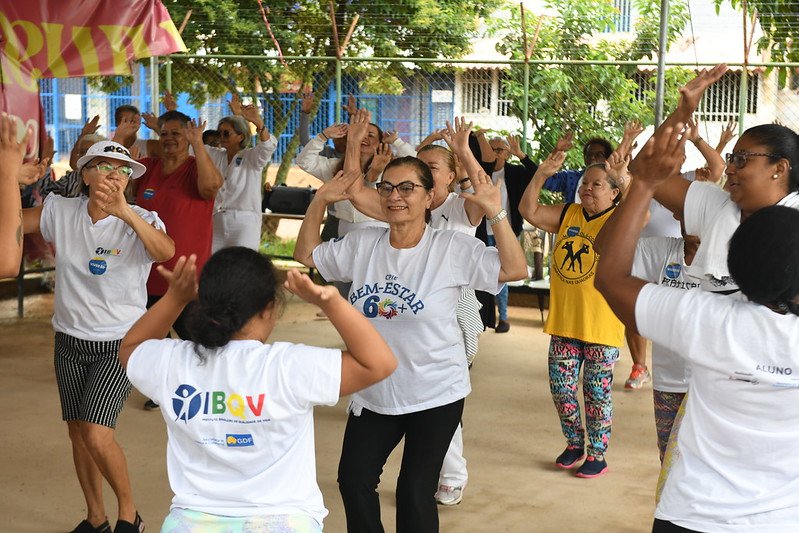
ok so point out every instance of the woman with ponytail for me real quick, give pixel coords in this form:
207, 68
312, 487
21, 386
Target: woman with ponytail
239, 410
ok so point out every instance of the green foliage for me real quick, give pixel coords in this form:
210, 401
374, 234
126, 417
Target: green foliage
589, 100
779, 21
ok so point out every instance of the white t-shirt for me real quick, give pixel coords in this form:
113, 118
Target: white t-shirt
498, 178
101, 269
240, 425
241, 189
452, 215
737, 469
661, 260
141, 144
410, 296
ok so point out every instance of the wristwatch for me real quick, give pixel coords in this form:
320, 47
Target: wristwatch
499, 217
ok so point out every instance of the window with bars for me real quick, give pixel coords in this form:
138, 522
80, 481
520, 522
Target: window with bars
623, 17
504, 102
476, 91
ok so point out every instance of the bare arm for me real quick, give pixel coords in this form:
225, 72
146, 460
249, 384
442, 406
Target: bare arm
209, 179
487, 154
367, 359
660, 158
90, 127
11, 217
157, 320
545, 217
632, 130
457, 138
430, 139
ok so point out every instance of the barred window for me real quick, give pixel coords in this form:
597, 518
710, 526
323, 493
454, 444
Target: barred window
504, 103
476, 91
623, 17
722, 99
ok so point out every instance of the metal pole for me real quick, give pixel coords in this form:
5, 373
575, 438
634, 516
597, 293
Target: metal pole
154, 94
337, 100
661, 75
525, 103
169, 74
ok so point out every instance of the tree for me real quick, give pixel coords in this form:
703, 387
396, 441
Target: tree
587, 99
429, 29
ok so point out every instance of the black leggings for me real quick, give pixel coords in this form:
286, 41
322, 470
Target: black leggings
368, 441
662, 526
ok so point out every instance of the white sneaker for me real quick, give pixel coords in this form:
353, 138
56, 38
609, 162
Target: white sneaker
447, 495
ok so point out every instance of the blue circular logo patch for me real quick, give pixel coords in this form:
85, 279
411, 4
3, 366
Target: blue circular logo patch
98, 266
572, 231
148, 193
672, 270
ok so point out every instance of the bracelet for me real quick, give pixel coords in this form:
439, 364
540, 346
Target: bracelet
323, 135
499, 217
698, 140
464, 180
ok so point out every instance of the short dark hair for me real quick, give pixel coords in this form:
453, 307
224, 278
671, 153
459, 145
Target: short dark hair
781, 141
121, 110
236, 283
771, 235
604, 143
173, 115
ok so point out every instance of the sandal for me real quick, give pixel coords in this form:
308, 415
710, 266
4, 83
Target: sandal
87, 527
123, 526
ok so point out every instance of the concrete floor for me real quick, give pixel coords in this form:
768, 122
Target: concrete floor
511, 435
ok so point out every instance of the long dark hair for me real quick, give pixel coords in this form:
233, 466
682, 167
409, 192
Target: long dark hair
236, 284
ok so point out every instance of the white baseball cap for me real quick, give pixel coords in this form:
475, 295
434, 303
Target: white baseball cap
115, 151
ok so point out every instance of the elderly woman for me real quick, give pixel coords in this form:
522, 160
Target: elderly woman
407, 280
736, 470
585, 332
237, 209
104, 251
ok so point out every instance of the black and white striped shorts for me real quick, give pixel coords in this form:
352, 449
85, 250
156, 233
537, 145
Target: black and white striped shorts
92, 384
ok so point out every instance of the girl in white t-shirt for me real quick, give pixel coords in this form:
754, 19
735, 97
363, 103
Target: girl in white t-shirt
407, 280
736, 469
239, 411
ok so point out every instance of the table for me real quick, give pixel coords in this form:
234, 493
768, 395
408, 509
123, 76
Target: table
539, 287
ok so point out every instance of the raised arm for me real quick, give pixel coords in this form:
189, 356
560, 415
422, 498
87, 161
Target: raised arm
310, 159
160, 246
632, 130
306, 106
513, 264
457, 138
367, 358
356, 133
11, 155
715, 163
89, 128
209, 179
430, 139
332, 191
487, 154
156, 321
727, 134
545, 217
253, 114
661, 158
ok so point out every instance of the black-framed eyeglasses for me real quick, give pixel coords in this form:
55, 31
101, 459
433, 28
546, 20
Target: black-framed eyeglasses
107, 168
739, 159
405, 188
226, 133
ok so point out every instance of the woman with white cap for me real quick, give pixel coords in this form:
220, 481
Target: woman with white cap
104, 251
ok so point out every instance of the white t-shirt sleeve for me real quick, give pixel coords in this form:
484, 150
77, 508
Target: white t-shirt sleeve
650, 254
702, 203
335, 258
314, 374
473, 264
148, 364
47, 219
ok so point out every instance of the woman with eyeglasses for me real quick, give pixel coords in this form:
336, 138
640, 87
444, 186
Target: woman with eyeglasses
104, 251
407, 280
237, 207
762, 170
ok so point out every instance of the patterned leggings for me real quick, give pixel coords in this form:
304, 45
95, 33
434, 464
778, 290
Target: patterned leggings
666, 406
566, 356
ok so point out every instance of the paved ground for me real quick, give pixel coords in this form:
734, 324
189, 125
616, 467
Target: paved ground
511, 438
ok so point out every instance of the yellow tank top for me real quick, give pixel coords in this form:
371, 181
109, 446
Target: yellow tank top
576, 309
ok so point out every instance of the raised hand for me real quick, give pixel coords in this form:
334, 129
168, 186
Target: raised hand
692, 92
616, 167
551, 164
727, 134
182, 280
515, 146
383, 156
337, 189
32, 171
692, 130
565, 142
487, 195
194, 133
350, 107
632, 129
126, 129
457, 137
661, 157
253, 114
111, 196
306, 103
301, 285
390, 136
336, 131
359, 126
48, 150
235, 104
91, 126
151, 121
170, 104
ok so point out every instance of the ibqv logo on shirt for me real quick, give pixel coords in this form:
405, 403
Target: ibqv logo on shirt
235, 441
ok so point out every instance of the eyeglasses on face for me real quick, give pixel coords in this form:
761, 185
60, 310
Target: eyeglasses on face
739, 159
107, 168
226, 133
405, 188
